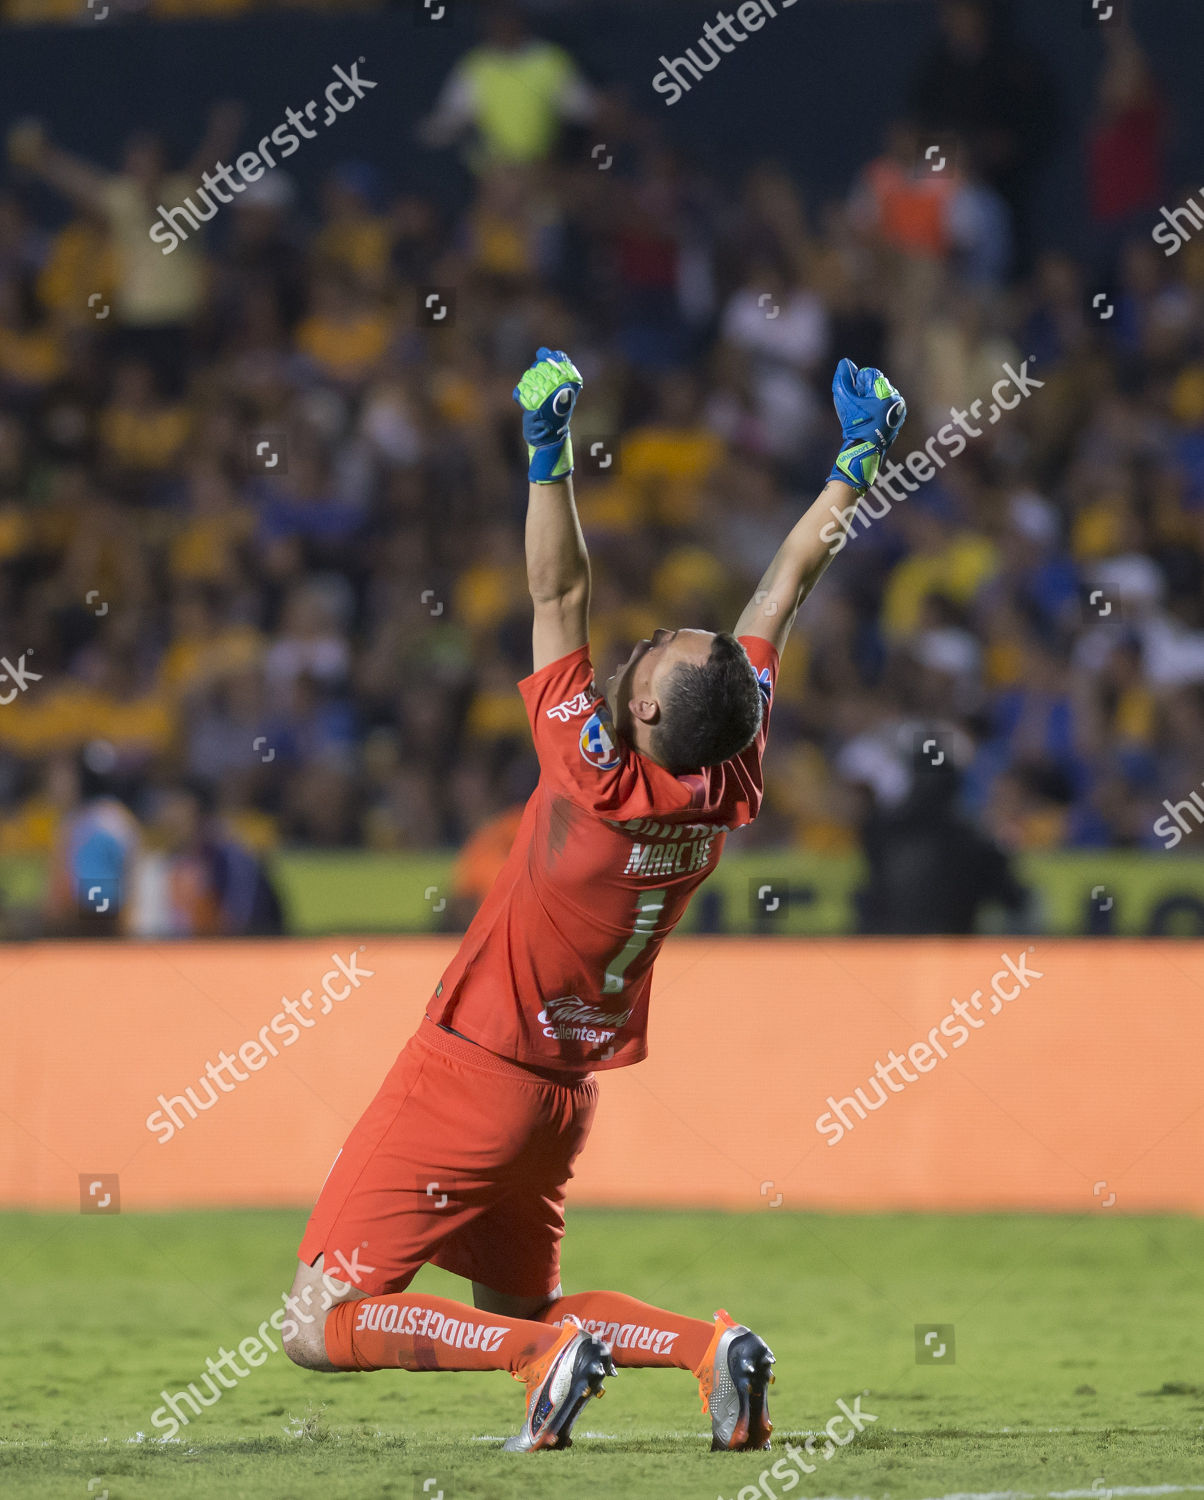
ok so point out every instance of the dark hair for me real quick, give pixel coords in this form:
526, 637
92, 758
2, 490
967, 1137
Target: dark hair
708, 713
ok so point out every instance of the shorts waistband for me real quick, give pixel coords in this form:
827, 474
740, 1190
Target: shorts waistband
451, 1044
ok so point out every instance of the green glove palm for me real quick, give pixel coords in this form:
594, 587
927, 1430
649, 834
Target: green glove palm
548, 393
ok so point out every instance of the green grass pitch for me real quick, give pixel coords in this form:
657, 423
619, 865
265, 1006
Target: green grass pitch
1079, 1363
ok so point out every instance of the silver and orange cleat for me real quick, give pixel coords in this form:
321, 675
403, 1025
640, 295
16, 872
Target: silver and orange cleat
558, 1386
734, 1380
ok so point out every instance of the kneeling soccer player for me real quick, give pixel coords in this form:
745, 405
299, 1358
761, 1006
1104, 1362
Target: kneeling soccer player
463, 1157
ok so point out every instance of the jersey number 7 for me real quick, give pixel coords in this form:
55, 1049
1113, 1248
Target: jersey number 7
649, 906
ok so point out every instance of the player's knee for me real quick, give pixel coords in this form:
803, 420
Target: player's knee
302, 1334
305, 1345
293, 1343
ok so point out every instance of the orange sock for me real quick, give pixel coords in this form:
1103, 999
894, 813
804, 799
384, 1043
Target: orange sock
639, 1336
409, 1332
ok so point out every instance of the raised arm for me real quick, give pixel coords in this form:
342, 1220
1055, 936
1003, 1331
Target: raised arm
75, 178
798, 565
557, 572
220, 138
557, 562
871, 413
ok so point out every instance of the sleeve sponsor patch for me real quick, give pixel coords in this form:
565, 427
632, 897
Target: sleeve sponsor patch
599, 746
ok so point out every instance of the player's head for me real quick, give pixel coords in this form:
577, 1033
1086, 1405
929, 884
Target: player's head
687, 699
143, 158
504, 24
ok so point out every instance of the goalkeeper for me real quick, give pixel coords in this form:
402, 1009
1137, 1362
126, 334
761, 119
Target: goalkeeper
463, 1158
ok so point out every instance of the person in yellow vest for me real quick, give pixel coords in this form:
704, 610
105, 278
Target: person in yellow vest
510, 96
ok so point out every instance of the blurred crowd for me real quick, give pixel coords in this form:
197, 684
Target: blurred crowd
261, 498
73, 12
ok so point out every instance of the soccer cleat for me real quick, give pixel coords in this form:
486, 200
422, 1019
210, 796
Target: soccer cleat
734, 1379
558, 1386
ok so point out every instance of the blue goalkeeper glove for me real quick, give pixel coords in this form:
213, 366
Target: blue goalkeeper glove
871, 413
547, 394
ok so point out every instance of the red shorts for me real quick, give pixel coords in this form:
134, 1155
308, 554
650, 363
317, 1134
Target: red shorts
461, 1160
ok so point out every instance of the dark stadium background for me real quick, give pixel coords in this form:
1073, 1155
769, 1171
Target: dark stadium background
382, 772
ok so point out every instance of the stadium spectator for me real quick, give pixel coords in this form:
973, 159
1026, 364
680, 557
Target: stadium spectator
96, 847
195, 878
157, 297
930, 870
979, 86
479, 863
510, 94
1126, 150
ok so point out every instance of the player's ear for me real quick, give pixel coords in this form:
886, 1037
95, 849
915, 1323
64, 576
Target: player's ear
645, 710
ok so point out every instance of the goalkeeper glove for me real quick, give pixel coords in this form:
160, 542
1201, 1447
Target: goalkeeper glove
871, 413
547, 394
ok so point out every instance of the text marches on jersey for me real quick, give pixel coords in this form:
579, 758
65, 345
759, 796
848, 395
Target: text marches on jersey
680, 848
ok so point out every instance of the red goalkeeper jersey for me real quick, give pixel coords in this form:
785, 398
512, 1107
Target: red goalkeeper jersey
555, 969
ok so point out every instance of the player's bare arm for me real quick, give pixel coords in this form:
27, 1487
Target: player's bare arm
31, 148
557, 572
797, 567
871, 414
557, 562
86, 184
220, 138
